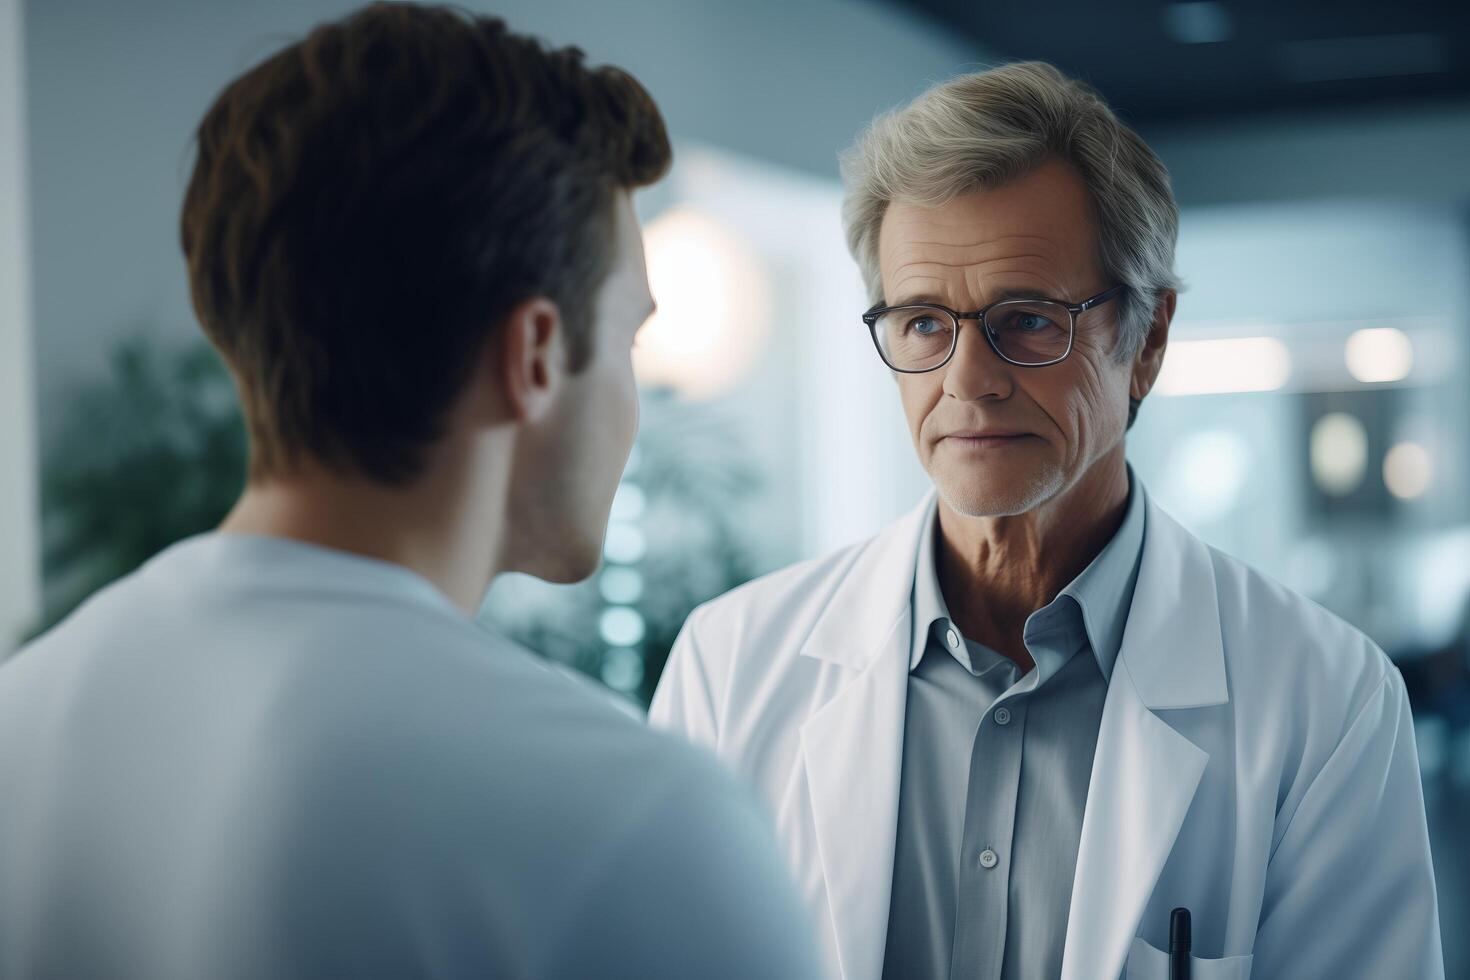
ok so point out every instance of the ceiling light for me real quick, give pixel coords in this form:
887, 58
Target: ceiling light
1213, 367
1379, 354
1204, 22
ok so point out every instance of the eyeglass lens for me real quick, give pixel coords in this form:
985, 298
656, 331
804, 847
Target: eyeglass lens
919, 338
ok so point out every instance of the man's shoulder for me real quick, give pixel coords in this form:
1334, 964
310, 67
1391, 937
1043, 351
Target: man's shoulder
785, 600
347, 683
1279, 642
384, 751
486, 706
530, 776
518, 787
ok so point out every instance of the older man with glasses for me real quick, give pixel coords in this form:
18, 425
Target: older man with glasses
1036, 728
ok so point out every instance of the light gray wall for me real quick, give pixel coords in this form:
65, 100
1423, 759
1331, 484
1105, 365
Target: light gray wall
115, 90
19, 571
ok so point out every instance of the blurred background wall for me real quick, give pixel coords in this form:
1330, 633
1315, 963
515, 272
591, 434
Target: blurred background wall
116, 89
20, 586
1313, 418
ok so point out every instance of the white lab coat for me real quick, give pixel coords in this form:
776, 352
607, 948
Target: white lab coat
1255, 763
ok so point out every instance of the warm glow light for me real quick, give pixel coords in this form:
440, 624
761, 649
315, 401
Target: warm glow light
1212, 367
1407, 470
1381, 354
713, 305
1339, 453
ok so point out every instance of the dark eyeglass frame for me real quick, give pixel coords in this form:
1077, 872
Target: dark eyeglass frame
1073, 309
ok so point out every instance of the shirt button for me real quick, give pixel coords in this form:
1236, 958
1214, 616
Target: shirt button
988, 858
952, 638
1002, 716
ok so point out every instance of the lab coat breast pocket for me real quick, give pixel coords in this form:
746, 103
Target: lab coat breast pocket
1148, 963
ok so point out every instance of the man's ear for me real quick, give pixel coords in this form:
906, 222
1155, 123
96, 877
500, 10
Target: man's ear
1150, 357
529, 361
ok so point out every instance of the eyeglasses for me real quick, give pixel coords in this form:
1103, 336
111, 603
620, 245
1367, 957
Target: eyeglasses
1024, 332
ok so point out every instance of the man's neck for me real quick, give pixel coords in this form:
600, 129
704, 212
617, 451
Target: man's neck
423, 527
996, 571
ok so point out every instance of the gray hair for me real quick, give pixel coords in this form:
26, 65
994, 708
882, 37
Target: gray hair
982, 130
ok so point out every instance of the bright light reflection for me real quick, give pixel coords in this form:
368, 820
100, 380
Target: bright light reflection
1339, 453
621, 626
1210, 474
620, 586
629, 503
1408, 470
1214, 367
625, 544
1379, 355
713, 305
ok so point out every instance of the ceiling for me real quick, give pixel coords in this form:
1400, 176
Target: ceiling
1162, 62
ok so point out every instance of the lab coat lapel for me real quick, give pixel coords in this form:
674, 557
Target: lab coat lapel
1145, 772
853, 745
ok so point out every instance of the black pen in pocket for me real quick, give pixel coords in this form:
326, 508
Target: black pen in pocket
1180, 943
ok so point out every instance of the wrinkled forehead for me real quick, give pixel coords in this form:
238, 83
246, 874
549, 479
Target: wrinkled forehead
1037, 232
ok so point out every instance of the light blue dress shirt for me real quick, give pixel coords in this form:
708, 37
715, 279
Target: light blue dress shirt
996, 766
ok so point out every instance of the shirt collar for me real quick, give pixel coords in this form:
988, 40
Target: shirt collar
271, 563
928, 600
1103, 592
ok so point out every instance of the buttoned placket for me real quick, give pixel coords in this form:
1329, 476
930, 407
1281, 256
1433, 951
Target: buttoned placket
975, 813
989, 833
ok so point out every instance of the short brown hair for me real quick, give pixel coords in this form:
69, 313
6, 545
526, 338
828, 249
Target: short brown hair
368, 204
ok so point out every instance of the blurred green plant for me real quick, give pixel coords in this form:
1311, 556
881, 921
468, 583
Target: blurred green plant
151, 453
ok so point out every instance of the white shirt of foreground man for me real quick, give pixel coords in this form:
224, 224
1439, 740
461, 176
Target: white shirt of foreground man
1254, 760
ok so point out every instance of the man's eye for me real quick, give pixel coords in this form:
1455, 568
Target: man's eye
924, 325
1024, 321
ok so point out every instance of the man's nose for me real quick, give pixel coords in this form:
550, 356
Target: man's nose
976, 371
